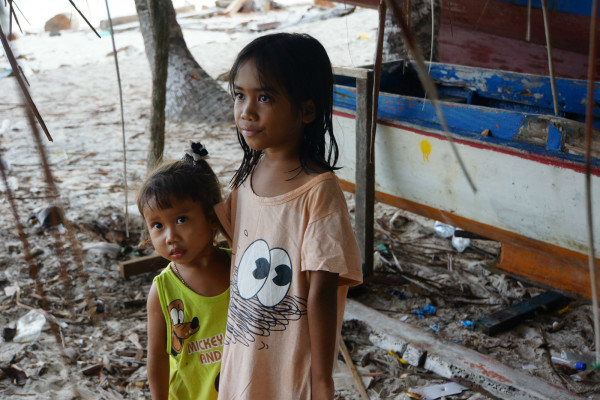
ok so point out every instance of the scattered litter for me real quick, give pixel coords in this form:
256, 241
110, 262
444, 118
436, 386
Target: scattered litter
363, 36
434, 327
436, 391
529, 367
428, 309
467, 324
398, 294
46, 217
460, 243
443, 230
105, 249
30, 326
572, 360
400, 359
17, 376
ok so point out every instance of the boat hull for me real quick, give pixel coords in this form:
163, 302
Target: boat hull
533, 203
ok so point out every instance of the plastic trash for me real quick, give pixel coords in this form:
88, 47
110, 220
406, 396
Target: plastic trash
443, 230
460, 243
29, 326
428, 309
572, 360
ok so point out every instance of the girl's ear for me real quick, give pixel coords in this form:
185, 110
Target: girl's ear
308, 111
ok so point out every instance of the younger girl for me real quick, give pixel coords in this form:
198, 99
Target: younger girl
187, 303
294, 249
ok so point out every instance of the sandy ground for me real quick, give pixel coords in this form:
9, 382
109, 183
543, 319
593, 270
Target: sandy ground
73, 82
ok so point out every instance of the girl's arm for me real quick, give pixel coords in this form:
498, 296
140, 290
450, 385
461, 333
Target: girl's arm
158, 359
322, 328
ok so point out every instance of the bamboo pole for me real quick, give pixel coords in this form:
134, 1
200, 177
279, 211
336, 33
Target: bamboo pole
377, 79
528, 33
550, 65
358, 382
588, 184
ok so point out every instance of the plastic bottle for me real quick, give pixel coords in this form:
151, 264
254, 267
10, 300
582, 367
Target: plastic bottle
570, 360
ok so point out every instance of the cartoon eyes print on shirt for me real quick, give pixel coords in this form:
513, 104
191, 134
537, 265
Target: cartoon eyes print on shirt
264, 273
260, 303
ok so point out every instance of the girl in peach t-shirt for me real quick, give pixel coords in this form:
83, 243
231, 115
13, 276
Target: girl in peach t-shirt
294, 251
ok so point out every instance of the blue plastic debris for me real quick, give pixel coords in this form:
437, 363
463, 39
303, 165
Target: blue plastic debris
428, 309
467, 324
434, 327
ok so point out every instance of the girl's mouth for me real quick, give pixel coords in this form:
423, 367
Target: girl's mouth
177, 253
250, 132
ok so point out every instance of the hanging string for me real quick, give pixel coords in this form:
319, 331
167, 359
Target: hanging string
125, 188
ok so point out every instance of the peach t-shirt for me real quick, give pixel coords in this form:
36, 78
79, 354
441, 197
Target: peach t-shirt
275, 241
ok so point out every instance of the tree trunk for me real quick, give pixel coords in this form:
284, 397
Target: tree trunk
192, 95
420, 25
160, 36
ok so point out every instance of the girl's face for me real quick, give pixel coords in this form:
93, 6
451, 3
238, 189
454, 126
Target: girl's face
181, 233
264, 114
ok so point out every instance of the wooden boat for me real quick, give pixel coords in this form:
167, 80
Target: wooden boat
526, 163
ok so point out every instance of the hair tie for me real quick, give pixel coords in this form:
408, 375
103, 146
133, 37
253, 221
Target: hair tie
197, 152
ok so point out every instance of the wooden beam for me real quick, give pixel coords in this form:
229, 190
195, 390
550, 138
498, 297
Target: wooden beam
365, 173
453, 361
141, 265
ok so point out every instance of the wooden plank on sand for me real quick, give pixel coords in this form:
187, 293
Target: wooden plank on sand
141, 265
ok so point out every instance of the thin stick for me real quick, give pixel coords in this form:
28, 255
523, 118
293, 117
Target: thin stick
17, 71
588, 169
528, 33
550, 65
377, 79
427, 82
84, 18
481, 15
355, 375
125, 189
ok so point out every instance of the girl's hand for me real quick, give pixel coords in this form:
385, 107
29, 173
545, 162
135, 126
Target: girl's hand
322, 328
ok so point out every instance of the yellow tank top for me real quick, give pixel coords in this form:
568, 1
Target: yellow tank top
195, 334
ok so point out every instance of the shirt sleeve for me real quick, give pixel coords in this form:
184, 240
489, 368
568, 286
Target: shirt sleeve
329, 243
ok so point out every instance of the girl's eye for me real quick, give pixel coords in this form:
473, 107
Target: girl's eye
263, 98
238, 96
181, 220
156, 225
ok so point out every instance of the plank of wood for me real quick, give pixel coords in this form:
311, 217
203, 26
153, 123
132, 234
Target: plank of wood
456, 362
141, 265
365, 173
509, 317
235, 6
355, 375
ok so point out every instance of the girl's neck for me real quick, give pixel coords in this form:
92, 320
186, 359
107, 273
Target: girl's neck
274, 176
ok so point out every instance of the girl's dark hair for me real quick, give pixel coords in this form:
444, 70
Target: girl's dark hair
299, 65
185, 179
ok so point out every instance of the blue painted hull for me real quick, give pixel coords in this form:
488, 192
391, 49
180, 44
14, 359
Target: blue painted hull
514, 110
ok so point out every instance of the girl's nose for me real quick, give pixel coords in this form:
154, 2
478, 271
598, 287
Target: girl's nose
248, 113
171, 236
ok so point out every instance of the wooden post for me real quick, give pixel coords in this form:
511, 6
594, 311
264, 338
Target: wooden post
365, 172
